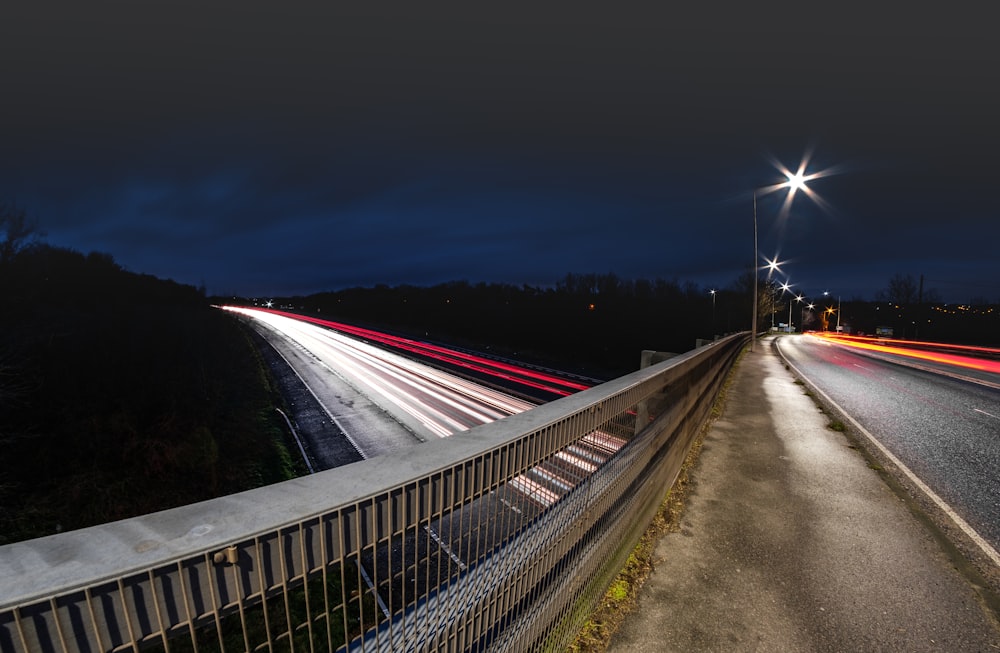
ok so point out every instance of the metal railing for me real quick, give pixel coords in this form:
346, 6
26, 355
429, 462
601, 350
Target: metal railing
504, 537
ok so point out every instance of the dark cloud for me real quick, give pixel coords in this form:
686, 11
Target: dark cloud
269, 149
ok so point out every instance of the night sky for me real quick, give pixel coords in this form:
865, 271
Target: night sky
263, 149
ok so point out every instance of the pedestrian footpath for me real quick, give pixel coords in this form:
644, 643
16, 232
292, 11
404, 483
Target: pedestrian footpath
791, 542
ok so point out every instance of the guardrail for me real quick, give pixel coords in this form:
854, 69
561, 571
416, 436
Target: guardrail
443, 546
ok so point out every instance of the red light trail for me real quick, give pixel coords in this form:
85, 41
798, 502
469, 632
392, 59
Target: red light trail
904, 348
506, 371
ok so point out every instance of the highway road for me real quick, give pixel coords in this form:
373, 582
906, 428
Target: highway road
941, 423
428, 402
431, 403
383, 401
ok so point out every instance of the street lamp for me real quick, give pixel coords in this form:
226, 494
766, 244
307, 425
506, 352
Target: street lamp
794, 181
756, 254
786, 287
773, 265
798, 299
712, 292
838, 309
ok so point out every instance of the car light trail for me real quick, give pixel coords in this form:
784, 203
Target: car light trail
576, 461
909, 343
444, 404
506, 371
968, 362
440, 402
534, 491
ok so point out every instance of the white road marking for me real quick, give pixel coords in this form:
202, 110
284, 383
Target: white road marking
990, 552
447, 549
981, 411
510, 505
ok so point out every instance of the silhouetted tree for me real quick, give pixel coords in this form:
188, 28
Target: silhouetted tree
902, 289
18, 231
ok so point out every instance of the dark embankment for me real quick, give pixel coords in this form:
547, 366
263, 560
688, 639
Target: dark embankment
122, 394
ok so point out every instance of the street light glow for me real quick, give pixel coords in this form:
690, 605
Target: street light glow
796, 181
773, 265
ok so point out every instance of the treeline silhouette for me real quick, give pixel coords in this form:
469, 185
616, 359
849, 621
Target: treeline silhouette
597, 324
593, 324
122, 394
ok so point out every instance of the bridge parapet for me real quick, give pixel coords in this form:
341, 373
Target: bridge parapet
490, 539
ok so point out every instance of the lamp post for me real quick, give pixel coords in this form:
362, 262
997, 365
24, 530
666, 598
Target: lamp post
753, 321
712, 292
773, 265
838, 309
794, 181
798, 299
786, 287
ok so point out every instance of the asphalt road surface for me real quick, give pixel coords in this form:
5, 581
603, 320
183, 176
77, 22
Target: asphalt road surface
944, 429
380, 401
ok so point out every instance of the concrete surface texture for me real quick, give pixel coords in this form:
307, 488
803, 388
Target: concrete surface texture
790, 542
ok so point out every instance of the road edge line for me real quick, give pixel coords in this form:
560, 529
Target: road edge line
964, 526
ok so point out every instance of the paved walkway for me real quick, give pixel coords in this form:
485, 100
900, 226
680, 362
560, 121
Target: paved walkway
790, 542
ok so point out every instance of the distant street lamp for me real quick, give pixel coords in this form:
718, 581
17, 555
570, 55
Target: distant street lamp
838, 309
798, 299
786, 287
795, 181
773, 265
712, 293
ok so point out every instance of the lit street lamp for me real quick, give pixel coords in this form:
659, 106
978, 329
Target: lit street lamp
712, 292
798, 299
773, 265
786, 287
838, 309
795, 181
